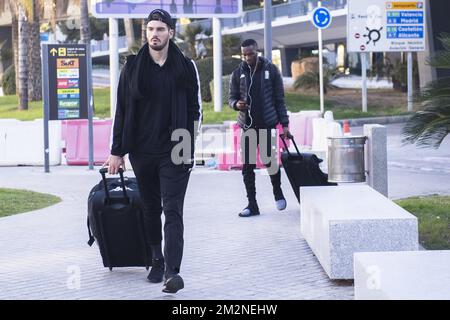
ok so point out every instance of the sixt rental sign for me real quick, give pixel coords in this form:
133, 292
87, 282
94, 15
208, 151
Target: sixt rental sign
67, 81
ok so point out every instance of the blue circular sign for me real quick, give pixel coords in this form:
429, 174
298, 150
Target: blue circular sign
321, 17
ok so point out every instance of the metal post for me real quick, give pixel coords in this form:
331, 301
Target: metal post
113, 62
376, 157
268, 29
90, 101
410, 81
364, 80
319, 31
217, 51
45, 100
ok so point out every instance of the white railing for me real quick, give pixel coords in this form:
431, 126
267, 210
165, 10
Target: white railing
294, 8
103, 45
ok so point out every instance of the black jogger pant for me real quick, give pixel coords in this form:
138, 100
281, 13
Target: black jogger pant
162, 187
248, 168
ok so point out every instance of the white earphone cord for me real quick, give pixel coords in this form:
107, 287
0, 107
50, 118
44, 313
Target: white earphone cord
246, 127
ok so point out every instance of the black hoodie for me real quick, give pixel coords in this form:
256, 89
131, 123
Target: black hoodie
185, 99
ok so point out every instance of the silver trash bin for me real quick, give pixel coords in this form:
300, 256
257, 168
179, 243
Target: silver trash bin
346, 159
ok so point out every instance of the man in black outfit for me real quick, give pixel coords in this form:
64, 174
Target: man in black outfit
257, 92
158, 93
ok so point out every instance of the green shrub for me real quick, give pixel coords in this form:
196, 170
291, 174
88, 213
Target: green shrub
9, 81
206, 72
225, 88
311, 80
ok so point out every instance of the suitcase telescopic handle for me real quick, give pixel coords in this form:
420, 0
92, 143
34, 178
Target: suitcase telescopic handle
103, 172
286, 147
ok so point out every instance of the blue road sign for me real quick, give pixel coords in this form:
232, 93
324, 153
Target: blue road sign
321, 17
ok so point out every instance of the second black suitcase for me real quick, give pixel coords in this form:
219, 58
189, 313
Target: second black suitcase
302, 169
115, 217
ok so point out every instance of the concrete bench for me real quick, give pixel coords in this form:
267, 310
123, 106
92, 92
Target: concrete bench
411, 275
338, 221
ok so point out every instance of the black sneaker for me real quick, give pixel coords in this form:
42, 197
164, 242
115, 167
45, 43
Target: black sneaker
157, 272
173, 284
250, 210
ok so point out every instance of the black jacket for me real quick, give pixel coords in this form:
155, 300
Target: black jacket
185, 104
272, 90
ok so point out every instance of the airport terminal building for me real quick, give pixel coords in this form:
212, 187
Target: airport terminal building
294, 36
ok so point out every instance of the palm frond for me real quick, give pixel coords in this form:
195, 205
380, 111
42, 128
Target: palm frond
311, 79
429, 126
307, 80
441, 59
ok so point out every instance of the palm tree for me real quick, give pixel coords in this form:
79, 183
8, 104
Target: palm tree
35, 10
15, 37
2, 10
311, 79
429, 126
58, 9
34, 48
231, 45
26, 44
143, 32
2, 69
129, 31
23, 57
189, 37
85, 26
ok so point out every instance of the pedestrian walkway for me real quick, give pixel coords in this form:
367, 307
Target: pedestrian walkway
44, 253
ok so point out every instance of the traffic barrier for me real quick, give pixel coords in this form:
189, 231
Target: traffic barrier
301, 127
77, 142
233, 159
22, 142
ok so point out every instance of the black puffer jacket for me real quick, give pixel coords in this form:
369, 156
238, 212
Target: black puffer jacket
272, 90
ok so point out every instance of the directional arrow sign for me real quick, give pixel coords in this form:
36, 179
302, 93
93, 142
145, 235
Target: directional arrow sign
321, 18
53, 51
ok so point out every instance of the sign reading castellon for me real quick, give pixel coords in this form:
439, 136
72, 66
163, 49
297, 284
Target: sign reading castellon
381, 25
177, 8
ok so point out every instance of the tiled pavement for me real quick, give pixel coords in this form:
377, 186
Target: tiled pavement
44, 255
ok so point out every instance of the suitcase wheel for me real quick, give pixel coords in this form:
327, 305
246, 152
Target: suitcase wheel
110, 268
147, 267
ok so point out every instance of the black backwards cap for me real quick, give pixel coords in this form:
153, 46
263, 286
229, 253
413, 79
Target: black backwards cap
160, 15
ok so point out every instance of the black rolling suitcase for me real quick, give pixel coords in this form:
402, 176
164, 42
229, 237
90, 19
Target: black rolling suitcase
302, 169
115, 221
